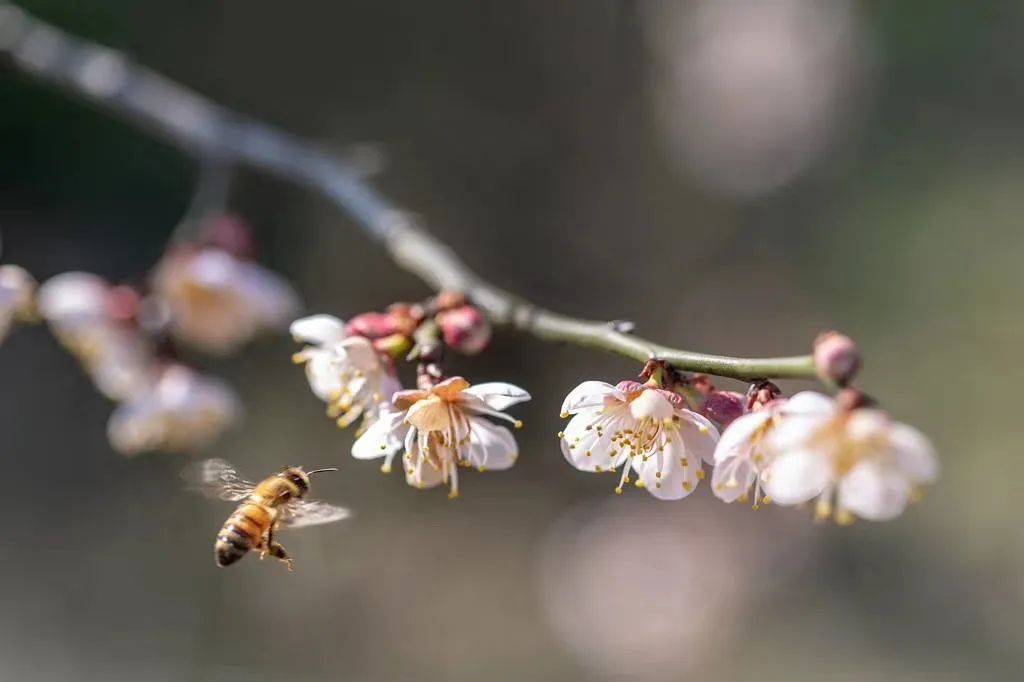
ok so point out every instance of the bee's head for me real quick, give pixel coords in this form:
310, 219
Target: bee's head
299, 478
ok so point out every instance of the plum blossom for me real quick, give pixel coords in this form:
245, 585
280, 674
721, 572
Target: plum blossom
82, 311
344, 371
17, 289
182, 410
743, 453
443, 428
858, 461
638, 427
217, 301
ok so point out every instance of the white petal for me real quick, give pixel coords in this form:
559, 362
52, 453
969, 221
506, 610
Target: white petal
73, 294
323, 371
587, 395
797, 476
868, 424
389, 386
135, 427
732, 478
318, 329
793, 430
670, 474
699, 434
385, 436
738, 436
497, 394
809, 403
585, 449
360, 353
915, 453
491, 446
651, 403
873, 491
272, 299
420, 473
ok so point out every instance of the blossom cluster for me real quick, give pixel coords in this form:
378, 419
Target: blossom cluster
207, 293
662, 433
442, 425
851, 459
665, 432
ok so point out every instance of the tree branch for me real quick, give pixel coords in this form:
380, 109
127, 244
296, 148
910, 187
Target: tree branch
211, 132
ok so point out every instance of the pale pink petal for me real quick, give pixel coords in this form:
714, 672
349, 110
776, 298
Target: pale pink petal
587, 395
797, 476
699, 435
651, 404
915, 454
732, 478
318, 329
385, 436
591, 449
498, 395
491, 446
669, 474
873, 491
809, 403
738, 436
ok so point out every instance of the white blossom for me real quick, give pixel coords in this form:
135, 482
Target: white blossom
859, 462
638, 427
345, 372
17, 288
743, 453
77, 308
443, 428
217, 302
181, 411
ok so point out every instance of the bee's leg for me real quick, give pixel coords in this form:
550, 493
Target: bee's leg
276, 550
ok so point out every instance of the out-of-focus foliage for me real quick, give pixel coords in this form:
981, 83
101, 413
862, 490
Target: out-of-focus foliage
533, 136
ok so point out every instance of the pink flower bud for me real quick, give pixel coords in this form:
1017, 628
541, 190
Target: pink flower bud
464, 329
123, 303
393, 346
724, 407
230, 233
373, 325
836, 357
449, 300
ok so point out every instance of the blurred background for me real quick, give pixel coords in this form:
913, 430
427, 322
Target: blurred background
733, 175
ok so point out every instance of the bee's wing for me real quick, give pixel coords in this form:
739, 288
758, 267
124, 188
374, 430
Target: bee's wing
218, 479
310, 513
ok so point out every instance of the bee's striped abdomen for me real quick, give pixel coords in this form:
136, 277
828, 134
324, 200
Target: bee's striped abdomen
242, 532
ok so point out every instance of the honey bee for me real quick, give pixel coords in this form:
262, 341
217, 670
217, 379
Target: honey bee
273, 503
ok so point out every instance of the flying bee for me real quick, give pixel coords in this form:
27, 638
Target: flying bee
273, 503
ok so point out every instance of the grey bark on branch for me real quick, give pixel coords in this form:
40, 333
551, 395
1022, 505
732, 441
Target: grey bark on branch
202, 127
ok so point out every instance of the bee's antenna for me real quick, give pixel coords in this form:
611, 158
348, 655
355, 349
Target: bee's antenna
318, 471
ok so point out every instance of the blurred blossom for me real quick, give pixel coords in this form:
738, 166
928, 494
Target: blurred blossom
638, 427
750, 92
346, 372
88, 317
217, 301
443, 428
635, 592
17, 288
73, 303
743, 453
870, 464
182, 410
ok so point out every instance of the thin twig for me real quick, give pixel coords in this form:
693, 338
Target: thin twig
194, 123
